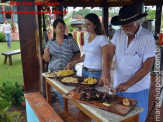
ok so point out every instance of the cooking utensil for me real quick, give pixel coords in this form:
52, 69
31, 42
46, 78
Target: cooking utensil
109, 90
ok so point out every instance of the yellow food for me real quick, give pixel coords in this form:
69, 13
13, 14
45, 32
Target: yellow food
69, 80
49, 75
107, 104
126, 102
61, 73
89, 80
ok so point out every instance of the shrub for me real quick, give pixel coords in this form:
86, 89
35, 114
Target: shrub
13, 93
6, 116
2, 37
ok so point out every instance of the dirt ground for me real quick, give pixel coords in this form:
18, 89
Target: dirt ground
20, 109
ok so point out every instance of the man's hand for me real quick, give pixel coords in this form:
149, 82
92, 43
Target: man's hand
146, 68
122, 87
105, 80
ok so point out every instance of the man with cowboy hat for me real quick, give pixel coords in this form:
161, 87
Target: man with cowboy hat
134, 48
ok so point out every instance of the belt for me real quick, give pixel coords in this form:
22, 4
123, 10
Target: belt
92, 70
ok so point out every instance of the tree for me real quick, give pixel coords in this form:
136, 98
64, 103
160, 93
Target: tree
84, 12
81, 12
68, 23
98, 12
151, 14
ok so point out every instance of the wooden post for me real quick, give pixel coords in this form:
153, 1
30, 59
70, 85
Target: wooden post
40, 29
41, 85
29, 43
48, 93
4, 15
60, 8
12, 19
161, 65
105, 17
158, 19
44, 25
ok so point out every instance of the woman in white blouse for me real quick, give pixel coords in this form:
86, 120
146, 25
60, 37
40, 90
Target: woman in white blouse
95, 49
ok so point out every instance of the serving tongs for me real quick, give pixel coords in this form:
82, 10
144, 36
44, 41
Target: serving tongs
109, 90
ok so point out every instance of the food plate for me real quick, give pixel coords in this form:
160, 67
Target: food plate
116, 106
80, 81
60, 73
64, 73
51, 75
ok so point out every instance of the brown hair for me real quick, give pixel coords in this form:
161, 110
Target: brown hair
96, 21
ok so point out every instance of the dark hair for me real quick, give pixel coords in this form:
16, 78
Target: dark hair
55, 23
70, 35
110, 25
96, 21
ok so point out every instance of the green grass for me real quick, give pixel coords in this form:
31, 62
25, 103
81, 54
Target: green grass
11, 73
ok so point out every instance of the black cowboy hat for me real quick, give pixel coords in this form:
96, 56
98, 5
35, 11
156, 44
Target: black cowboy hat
127, 14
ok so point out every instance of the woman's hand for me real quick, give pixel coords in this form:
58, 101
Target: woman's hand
46, 55
46, 52
105, 80
70, 64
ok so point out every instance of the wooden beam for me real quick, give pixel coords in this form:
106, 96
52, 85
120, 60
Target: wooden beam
153, 2
96, 4
29, 43
114, 3
105, 18
81, 4
120, 4
158, 19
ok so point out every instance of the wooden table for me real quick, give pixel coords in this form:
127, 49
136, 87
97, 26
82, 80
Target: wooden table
96, 114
